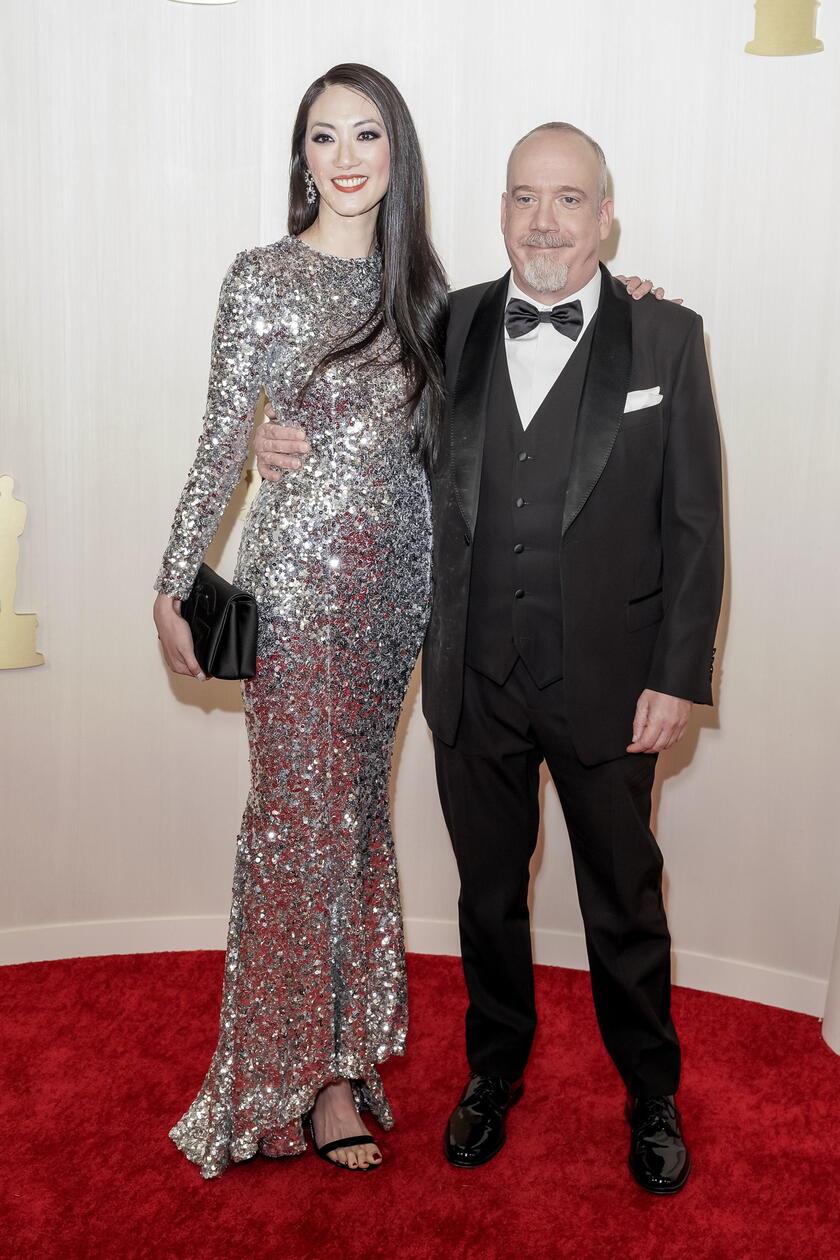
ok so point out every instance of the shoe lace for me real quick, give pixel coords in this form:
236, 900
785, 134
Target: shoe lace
488, 1089
655, 1116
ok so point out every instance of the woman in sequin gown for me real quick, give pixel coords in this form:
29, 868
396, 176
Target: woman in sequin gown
337, 556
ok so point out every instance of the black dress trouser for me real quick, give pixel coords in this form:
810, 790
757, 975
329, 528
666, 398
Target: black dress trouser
489, 783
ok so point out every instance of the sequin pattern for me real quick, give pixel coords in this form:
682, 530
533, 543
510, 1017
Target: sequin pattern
337, 554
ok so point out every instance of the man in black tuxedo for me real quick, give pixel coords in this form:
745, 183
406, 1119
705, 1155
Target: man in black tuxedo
578, 571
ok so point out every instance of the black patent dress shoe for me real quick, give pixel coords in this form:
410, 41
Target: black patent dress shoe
658, 1160
476, 1128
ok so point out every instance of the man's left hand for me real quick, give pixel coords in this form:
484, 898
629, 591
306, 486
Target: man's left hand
660, 721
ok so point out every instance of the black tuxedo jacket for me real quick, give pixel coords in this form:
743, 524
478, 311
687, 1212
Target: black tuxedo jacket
641, 547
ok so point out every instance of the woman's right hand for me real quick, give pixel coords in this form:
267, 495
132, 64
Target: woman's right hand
176, 638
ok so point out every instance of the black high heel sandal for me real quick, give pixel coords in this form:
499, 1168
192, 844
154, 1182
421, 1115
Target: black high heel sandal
323, 1152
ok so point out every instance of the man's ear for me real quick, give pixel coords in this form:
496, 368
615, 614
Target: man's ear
605, 217
503, 211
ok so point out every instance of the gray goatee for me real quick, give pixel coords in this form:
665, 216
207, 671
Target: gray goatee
544, 272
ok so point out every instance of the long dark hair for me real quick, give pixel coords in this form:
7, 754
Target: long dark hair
412, 303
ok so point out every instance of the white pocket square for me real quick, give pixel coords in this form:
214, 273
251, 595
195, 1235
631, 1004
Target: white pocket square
639, 398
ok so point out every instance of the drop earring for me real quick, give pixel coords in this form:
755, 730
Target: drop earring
311, 190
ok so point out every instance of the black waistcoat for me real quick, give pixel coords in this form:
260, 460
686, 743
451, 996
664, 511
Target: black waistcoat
516, 604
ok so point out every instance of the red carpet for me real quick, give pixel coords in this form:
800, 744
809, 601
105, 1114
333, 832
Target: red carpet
103, 1054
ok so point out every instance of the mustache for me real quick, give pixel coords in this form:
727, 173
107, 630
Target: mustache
547, 240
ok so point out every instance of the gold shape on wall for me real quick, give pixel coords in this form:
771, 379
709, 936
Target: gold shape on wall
785, 28
17, 630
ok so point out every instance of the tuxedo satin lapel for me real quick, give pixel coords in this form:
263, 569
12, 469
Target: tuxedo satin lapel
603, 397
469, 403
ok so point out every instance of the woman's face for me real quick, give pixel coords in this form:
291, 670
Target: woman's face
347, 151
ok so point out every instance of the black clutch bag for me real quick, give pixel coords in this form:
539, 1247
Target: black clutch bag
223, 621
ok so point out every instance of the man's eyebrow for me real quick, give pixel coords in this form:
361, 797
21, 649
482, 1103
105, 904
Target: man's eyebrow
559, 188
365, 122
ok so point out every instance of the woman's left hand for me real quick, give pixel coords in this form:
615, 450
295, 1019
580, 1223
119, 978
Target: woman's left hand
639, 288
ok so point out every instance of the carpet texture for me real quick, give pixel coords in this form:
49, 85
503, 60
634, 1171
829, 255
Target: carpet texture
102, 1055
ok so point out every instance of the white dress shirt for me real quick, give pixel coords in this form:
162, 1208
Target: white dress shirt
536, 359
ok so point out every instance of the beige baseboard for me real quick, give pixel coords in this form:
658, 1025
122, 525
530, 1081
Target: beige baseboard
727, 976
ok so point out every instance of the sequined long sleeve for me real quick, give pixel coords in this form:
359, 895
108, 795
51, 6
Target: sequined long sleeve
236, 373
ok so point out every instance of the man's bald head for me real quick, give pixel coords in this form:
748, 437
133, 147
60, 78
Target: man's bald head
567, 129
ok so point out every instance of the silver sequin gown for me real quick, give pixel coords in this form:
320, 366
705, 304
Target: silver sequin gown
337, 554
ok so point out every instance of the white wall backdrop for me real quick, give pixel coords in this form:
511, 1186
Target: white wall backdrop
143, 144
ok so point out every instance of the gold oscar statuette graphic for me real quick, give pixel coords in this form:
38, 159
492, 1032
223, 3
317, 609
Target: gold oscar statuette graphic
785, 28
17, 630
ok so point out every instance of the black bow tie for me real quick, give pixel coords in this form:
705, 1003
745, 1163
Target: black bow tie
521, 317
